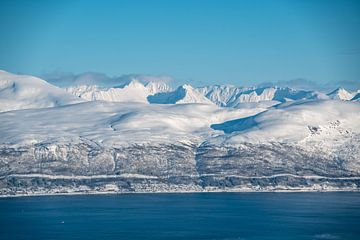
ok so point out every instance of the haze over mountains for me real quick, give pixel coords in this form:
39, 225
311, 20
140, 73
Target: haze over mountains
150, 136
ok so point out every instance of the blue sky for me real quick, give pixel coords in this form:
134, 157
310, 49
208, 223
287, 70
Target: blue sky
238, 42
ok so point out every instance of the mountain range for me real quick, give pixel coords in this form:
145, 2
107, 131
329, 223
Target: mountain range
150, 137
221, 95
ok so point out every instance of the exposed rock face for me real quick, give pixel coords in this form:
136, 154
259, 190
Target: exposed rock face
90, 167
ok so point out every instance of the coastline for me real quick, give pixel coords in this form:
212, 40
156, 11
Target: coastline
299, 190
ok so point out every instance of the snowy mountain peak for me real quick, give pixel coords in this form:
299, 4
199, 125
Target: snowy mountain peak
183, 94
134, 84
341, 94
134, 91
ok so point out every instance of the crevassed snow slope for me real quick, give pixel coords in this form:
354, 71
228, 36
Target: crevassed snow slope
22, 91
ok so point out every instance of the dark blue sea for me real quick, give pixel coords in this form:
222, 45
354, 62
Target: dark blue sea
183, 216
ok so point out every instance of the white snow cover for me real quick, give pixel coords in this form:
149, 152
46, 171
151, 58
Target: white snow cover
188, 114
132, 92
157, 87
21, 92
222, 95
341, 94
230, 96
115, 123
294, 122
160, 92
183, 94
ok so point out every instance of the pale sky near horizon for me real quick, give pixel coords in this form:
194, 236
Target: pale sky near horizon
237, 42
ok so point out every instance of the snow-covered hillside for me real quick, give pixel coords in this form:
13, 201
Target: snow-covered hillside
115, 123
258, 139
296, 122
21, 92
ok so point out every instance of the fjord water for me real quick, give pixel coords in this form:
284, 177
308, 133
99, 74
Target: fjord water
334, 215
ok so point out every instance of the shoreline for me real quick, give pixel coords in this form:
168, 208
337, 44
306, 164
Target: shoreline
179, 192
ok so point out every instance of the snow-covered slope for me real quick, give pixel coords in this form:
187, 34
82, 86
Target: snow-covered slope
314, 143
21, 92
115, 123
341, 94
183, 94
295, 122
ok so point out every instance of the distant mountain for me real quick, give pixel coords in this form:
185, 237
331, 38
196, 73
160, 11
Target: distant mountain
222, 95
133, 91
22, 92
341, 94
230, 96
183, 94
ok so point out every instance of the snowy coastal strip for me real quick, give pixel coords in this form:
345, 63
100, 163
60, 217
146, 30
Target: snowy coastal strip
141, 176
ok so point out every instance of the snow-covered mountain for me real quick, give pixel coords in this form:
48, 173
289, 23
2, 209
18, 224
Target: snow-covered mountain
134, 91
341, 94
231, 96
183, 94
275, 139
221, 95
21, 92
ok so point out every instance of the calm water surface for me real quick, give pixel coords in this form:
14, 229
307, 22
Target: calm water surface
183, 216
